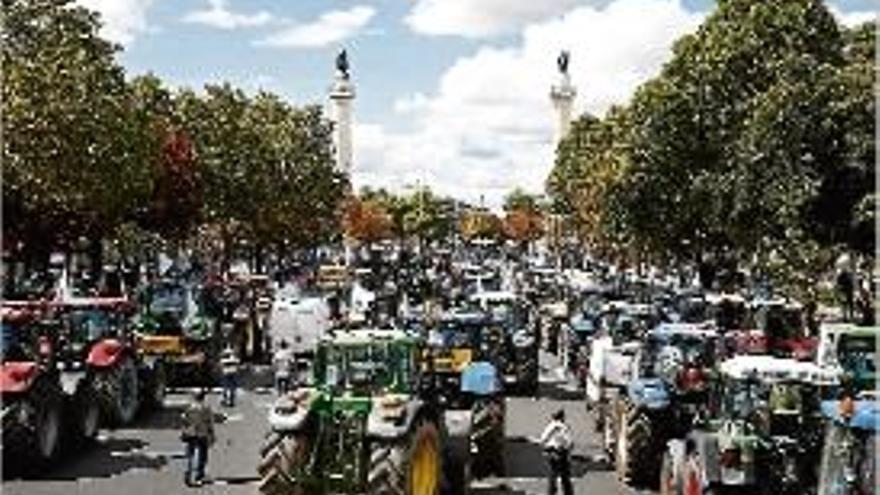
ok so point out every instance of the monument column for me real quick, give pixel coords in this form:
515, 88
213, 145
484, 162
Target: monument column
342, 94
562, 94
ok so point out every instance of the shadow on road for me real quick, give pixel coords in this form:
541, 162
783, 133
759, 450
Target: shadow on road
526, 459
559, 391
103, 459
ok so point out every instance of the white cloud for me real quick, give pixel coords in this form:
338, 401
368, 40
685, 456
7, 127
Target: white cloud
123, 20
480, 18
488, 126
853, 17
331, 27
219, 16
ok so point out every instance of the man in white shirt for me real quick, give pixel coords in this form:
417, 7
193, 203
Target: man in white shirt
557, 443
283, 363
229, 367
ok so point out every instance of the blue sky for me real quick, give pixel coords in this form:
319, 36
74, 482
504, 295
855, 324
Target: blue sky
450, 92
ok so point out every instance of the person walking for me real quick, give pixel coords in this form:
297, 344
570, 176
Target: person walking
197, 434
557, 443
283, 363
229, 366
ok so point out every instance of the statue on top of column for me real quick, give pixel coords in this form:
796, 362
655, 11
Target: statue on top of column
342, 63
562, 61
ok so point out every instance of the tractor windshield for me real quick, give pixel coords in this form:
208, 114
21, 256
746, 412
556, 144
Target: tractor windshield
743, 398
364, 369
857, 354
87, 325
12, 343
168, 298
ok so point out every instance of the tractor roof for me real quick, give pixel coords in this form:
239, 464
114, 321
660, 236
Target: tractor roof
494, 296
773, 369
850, 329
702, 330
365, 336
866, 414
723, 297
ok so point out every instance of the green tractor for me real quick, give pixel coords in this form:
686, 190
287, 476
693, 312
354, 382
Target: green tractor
360, 426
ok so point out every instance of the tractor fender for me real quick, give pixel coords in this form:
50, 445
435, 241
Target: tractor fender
17, 376
288, 415
648, 393
388, 428
106, 353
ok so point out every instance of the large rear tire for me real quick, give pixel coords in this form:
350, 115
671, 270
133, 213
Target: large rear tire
283, 458
487, 439
634, 447
47, 403
118, 392
424, 473
86, 415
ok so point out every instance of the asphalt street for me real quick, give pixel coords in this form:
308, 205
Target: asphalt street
148, 457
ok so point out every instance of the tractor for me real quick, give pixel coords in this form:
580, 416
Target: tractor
456, 369
851, 350
763, 435
173, 332
519, 361
612, 360
39, 416
669, 389
93, 344
848, 464
782, 324
360, 426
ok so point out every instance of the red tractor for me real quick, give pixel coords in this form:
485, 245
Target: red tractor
38, 415
95, 346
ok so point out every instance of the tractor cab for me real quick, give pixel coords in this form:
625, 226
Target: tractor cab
851, 350
783, 327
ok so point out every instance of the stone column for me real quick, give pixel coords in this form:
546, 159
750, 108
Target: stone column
342, 95
562, 95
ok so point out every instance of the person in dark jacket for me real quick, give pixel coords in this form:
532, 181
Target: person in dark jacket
197, 434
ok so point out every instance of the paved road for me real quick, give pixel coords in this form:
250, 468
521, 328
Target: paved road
148, 458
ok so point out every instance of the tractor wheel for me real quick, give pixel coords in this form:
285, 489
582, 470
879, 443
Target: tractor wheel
424, 473
158, 382
46, 399
609, 430
386, 474
487, 438
669, 485
118, 388
283, 456
633, 445
87, 412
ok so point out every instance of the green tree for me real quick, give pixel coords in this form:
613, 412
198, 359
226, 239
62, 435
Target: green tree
77, 153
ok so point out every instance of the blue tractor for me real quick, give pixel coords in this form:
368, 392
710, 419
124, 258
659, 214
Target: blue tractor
669, 389
849, 453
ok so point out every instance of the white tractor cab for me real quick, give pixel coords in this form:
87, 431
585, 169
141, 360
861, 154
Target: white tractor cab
300, 321
758, 433
851, 350
621, 326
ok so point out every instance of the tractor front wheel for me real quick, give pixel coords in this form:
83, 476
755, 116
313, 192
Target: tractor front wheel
283, 458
